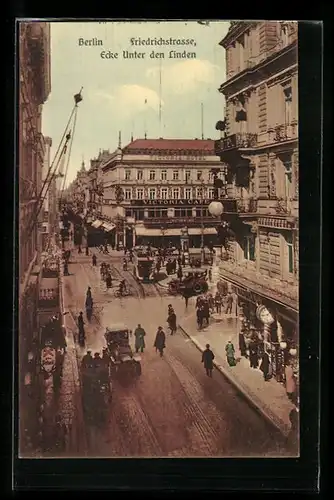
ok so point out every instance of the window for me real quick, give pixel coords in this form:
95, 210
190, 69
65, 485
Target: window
151, 193
128, 212
202, 212
285, 35
288, 179
199, 175
176, 193
127, 194
200, 193
152, 175
139, 175
175, 175
187, 175
211, 193
163, 175
140, 193
164, 193
183, 212
127, 174
187, 193
289, 243
249, 247
288, 105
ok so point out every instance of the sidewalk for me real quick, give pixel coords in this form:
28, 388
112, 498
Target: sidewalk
269, 398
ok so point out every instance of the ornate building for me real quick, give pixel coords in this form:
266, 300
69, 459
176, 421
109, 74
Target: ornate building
34, 88
260, 147
160, 189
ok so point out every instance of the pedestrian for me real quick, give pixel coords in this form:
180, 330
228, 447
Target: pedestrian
207, 359
242, 345
187, 292
160, 341
253, 354
179, 273
266, 367
79, 249
139, 338
229, 300
87, 250
81, 330
94, 260
210, 274
230, 353
199, 316
290, 382
66, 273
171, 320
218, 303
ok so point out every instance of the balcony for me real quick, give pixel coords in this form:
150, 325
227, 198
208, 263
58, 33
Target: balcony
283, 132
247, 206
274, 289
235, 142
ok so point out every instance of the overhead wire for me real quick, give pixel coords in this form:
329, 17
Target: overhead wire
68, 159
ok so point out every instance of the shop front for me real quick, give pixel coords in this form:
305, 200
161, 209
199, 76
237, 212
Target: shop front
277, 326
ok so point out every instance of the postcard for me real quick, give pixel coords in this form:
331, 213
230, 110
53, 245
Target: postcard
158, 239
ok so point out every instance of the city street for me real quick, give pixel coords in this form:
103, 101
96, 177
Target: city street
173, 409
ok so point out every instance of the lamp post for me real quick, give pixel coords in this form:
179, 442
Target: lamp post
202, 223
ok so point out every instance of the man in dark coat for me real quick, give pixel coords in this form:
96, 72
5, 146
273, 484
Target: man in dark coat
207, 359
81, 329
171, 320
139, 338
160, 341
265, 366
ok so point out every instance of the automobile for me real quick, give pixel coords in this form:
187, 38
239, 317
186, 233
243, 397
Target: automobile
196, 280
123, 361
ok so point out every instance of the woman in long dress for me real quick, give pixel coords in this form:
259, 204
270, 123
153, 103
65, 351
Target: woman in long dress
230, 352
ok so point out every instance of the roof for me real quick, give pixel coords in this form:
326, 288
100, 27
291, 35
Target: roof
117, 327
185, 145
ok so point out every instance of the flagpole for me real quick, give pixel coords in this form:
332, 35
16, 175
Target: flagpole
160, 107
145, 124
202, 121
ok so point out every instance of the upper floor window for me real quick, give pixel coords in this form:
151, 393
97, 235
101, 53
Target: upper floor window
152, 193
127, 174
249, 247
127, 194
211, 192
140, 193
176, 193
163, 175
288, 105
139, 175
187, 193
199, 175
152, 175
289, 243
175, 175
200, 193
285, 34
187, 175
164, 193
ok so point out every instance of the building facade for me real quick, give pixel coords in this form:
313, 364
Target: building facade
49, 209
260, 148
34, 88
158, 191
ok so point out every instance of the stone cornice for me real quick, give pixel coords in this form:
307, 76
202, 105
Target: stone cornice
236, 29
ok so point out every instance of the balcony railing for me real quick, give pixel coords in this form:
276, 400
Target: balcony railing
247, 206
235, 141
271, 287
283, 132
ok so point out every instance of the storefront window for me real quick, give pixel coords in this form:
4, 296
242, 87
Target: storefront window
183, 212
249, 247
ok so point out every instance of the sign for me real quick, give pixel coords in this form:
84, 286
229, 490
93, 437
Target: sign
264, 315
48, 359
177, 157
248, 295
227, 143
173, 202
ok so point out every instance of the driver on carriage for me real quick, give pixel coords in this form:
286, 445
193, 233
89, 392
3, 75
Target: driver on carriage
122, 287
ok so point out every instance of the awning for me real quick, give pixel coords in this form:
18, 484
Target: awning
206, 230
145, 231
97, 223
108, 226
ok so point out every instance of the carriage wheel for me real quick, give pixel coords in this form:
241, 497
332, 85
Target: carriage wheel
173, 289
198, 288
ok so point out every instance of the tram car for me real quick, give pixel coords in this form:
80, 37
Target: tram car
144, 263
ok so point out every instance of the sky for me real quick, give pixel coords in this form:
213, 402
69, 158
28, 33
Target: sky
123, 94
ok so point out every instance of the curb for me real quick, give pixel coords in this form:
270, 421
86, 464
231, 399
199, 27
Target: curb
74, 362
279, 425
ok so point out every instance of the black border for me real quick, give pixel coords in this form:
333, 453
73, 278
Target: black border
266, 475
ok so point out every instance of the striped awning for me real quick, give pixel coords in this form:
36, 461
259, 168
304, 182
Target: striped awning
97, 223
108, 226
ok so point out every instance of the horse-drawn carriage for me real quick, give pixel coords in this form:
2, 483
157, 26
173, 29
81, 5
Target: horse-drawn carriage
194, 280
123, 361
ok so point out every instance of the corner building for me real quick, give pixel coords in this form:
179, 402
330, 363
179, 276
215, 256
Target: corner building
260, 149
158, 192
